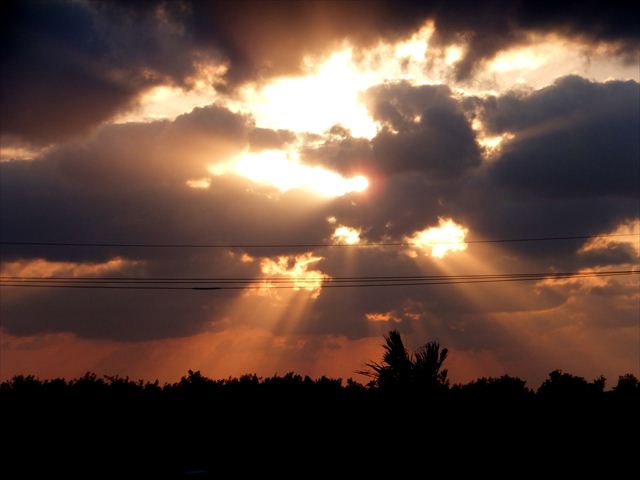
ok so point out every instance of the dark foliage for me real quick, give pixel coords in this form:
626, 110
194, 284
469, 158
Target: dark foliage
121, 428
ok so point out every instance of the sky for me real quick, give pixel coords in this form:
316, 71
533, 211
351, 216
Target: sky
272, 129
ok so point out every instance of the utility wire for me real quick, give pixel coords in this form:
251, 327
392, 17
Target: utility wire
299, 245
286, 279
39, 284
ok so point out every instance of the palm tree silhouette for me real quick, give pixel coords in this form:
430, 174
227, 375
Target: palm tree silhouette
427, 365
400, 369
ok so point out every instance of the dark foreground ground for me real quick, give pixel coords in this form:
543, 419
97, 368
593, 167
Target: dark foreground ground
295, 426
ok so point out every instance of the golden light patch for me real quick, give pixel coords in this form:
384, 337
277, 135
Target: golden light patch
547, 57
522, 59
438, 241
415, 48
453, 54
246, 258
285, 172
328, 94
491, 144
628, 232
8, 153
382, 317
169, 101
346, 235
297, 269
45, 268
587, 278
199, 183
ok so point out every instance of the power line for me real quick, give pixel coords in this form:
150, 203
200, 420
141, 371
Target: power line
287, 279
300, 245
118, 287
32, 283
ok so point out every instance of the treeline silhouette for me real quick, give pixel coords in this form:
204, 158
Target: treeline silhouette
114, 425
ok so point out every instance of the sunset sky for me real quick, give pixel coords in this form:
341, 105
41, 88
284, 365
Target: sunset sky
271, 141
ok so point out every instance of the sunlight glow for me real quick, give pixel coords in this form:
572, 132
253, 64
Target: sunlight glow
40, 267
282, 170
415, 48
630, 228
169, 101
453, 54
447, 237
382, 317
346, 235
491, 144
199, 183
326, 96
9, 153
528, 58
330, 90
296, 268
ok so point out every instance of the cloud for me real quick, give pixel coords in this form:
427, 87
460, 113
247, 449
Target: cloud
571, 166
424, 129
70, 66
489, 27
128, 183
262, 39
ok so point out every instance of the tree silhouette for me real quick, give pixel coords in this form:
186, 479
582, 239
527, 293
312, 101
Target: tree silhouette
400, 369
187, 428
628, 385
565, 386
427, 365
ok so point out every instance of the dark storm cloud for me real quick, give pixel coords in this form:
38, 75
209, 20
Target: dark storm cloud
424, 130
68, 66
572, 166
575, 137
